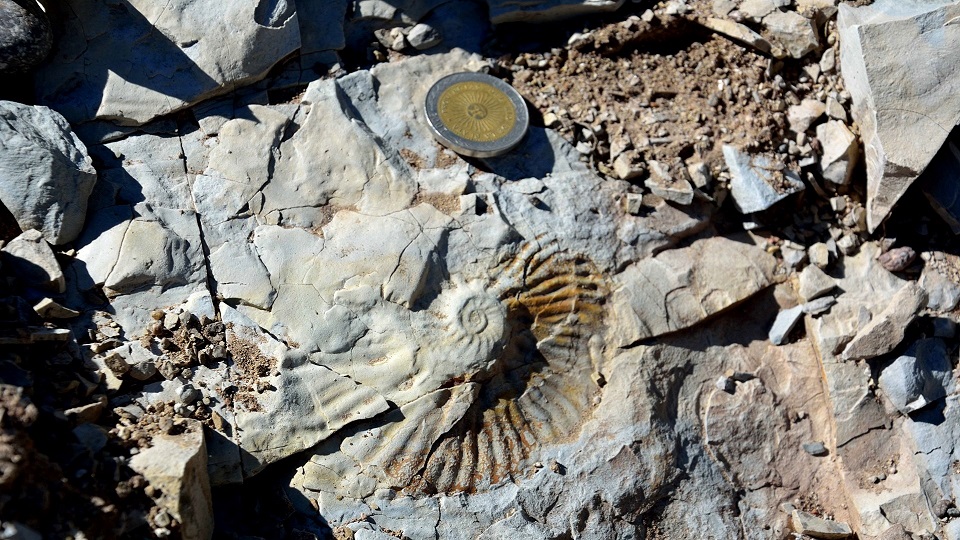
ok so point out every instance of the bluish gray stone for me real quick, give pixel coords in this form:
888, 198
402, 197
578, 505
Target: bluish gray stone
918, 377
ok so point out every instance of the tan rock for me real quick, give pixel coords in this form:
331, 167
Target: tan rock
886, 330
815, 527
176, 465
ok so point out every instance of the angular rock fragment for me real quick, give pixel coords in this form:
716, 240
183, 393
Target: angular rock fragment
49, 309
423, 37
667, 185
46, 175
840, 151
804, 114
941, 280
899, 66
819, 306
176, 465
32, 261
179, 53
919, 377
785, 322
679, 288
814, 527
887, 329
738, 32
792, 34
815, 448
814, 283
757, 182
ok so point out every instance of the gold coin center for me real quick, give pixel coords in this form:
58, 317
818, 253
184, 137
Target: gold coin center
476, 111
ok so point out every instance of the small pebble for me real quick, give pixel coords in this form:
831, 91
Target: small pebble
897, 259
815, 448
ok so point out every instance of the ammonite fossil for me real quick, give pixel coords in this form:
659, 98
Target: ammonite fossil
519, 359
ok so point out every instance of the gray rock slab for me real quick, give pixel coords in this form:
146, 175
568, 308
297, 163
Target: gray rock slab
757, 182
321, 25
32, 261
904, 114
785, 322
867, 289
46, 175
679, 288
179, 53
919, 377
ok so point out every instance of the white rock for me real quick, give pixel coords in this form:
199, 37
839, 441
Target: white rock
375, 9
840, 151
31, 260
828, 62
178, 54
423, 36
904, 112
176, 465
791, 32
802, 116
46, 175
757, 182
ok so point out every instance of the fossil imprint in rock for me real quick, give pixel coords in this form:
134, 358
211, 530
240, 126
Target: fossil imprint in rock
514, 359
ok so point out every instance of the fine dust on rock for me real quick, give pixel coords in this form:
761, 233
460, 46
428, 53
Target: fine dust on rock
251, 366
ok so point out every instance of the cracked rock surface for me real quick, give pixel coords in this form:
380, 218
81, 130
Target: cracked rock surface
246, 294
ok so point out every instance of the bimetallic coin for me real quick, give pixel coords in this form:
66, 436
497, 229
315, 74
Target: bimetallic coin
476, 115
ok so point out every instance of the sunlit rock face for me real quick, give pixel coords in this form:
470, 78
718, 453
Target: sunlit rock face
423, 336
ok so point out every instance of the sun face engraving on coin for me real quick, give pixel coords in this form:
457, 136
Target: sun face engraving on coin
476, 111
476, 114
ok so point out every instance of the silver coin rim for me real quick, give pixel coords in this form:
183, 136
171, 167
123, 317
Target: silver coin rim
472, 148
